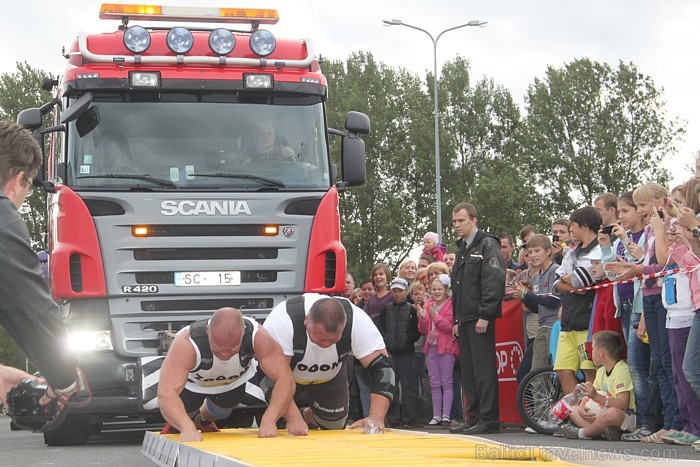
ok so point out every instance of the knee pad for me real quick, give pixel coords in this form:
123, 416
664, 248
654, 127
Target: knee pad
383, 377
326, 424
217, 411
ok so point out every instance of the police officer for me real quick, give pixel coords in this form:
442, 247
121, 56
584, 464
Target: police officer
316, 334
478, 286
205, 372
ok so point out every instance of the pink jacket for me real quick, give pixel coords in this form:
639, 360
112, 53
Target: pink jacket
438, 252
684, 257
443, 325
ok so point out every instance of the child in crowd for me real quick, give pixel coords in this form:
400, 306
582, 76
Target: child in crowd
422, 277
418, 294
681, 293
435, 322
522, 282
651, 200
603, 317
367, 290
542, 297
432, 247
612, 390
573, 274
398, 324
418, 297
628, 246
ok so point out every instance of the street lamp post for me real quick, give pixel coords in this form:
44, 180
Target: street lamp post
398, 22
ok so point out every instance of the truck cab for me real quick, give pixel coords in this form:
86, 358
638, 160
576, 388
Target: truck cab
189, 169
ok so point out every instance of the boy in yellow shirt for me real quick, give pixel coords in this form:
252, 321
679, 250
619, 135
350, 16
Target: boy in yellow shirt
616, 395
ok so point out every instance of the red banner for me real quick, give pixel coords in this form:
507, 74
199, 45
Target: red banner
510, 349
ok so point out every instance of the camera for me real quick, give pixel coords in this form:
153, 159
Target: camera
523, 246
23, 405
555, 238
607, 229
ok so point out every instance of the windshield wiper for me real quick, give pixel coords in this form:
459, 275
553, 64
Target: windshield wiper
146, 177
257, 178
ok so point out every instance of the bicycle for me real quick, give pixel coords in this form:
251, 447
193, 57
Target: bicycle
540, 390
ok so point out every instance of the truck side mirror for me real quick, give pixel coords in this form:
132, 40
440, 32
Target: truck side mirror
352, 149
357, 122
77, 109
30, 119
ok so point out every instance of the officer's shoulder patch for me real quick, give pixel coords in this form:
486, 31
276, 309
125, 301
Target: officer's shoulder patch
493, 262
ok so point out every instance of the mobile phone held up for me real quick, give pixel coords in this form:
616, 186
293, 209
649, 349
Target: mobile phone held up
607, 230
661, 214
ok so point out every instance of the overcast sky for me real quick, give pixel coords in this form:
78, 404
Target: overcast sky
521, 39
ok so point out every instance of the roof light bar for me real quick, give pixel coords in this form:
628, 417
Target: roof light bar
260, 62
194, 14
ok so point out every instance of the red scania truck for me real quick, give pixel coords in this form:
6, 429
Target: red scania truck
188, 169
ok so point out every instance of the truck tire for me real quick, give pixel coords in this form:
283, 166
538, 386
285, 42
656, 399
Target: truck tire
75, 430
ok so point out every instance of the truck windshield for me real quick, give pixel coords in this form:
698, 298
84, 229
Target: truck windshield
191, 142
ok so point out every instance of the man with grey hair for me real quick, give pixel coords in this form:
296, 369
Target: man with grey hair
27, 311
204, 375
317, 333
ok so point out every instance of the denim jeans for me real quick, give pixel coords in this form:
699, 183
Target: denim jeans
691, 362
638, 356
655, 319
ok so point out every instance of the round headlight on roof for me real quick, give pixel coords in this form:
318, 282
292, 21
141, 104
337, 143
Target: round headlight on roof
179, 40
137, 39
221, 41
262, 42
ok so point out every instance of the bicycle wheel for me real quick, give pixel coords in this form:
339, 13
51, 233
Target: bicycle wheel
537, 394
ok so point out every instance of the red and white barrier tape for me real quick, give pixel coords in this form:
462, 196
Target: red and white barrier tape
643, 277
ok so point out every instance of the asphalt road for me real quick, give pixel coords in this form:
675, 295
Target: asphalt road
123, 448
24, 448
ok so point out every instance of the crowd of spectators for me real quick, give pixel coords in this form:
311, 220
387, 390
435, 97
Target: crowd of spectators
626, 266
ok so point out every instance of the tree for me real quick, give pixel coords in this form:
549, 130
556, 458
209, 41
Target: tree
383, 219
482, 154
591, 129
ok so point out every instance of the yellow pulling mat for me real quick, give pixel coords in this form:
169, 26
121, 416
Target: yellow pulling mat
242, 447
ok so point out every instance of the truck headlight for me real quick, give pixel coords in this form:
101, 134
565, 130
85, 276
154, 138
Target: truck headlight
87, 341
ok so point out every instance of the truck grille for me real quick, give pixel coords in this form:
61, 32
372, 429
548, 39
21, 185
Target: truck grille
211, 304
207, 230
158, 254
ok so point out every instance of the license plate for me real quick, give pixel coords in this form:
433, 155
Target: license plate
207, 278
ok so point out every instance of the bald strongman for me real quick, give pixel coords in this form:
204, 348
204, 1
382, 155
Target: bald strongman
204, 374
